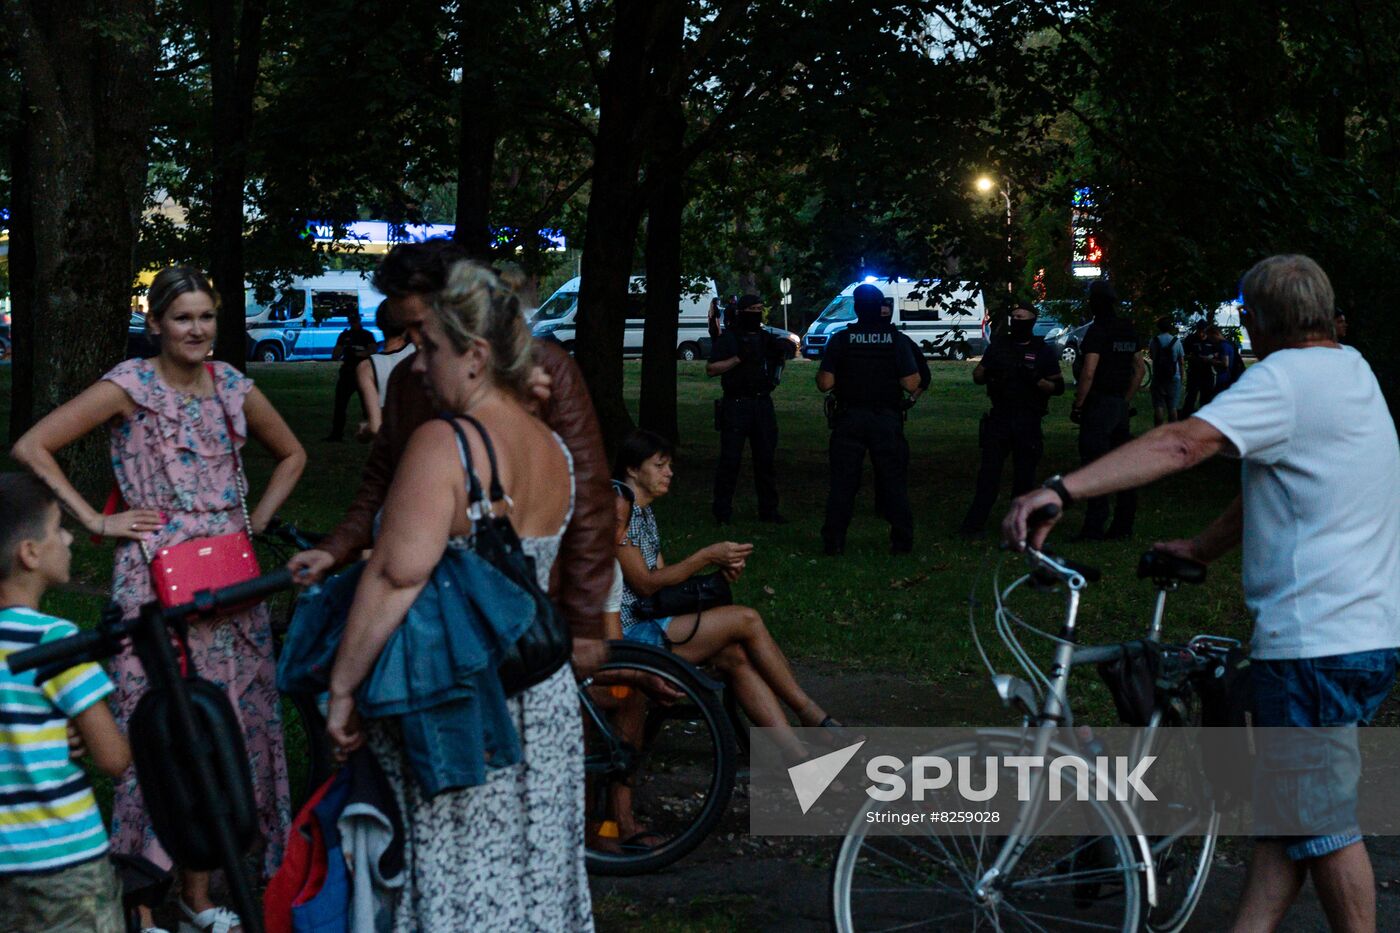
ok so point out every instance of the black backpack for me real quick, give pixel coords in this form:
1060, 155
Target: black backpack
1163, 362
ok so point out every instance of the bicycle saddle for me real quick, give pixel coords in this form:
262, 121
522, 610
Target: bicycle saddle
1161, 566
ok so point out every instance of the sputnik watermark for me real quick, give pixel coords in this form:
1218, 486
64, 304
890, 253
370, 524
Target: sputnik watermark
892, 778
1115, 777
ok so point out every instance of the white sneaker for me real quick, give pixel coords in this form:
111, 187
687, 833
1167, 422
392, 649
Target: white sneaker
213, 920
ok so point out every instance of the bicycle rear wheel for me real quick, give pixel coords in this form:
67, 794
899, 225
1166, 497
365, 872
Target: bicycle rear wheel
660, 759
1089, 881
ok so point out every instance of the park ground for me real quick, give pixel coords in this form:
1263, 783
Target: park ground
881, 640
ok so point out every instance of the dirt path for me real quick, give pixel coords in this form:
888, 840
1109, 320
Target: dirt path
738, 882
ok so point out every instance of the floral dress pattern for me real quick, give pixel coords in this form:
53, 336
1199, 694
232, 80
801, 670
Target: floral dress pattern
507, 854
174, 454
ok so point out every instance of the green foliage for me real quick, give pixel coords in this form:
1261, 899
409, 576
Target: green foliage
1215, 134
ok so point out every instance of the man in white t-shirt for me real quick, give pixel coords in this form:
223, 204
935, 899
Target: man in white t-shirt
1319, 520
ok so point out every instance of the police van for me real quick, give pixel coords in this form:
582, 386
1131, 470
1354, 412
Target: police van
950, 324
557, 317
304, 319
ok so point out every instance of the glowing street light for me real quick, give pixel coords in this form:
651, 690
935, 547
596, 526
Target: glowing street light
985, 184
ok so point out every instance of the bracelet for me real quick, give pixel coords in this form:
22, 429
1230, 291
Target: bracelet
103, 533
1056, 485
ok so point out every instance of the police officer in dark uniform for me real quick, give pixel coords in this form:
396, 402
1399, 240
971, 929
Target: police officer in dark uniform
925, 377
1020, 372
869, 368
1113, 370
749, 361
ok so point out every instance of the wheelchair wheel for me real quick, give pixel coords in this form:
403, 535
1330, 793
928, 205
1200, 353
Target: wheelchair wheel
660, 759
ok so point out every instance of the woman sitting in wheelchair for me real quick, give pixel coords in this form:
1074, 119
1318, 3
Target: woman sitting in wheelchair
731, 638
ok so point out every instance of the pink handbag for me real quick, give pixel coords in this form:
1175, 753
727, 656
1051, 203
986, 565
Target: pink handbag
181, 570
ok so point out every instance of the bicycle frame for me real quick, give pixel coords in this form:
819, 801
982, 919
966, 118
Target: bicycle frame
1053, 713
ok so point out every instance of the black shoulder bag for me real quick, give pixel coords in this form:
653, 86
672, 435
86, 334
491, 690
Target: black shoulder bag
700, 592
547, 644
693, 596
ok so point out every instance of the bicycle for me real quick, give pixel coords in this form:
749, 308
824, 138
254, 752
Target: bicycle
1112, 875
214, 803
661, 751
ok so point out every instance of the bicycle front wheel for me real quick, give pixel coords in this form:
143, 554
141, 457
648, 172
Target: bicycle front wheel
1184, 857
1090, 880
660, 759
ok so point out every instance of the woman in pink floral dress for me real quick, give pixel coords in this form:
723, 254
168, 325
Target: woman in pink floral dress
175, 422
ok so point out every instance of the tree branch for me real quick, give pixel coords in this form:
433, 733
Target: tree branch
595, 65
731, 111
184, 68
714, 30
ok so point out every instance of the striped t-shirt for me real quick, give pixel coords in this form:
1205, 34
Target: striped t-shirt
48, 815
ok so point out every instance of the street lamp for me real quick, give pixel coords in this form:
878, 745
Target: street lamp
985, 184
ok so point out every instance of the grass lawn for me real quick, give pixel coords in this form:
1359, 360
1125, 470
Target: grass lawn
865, 610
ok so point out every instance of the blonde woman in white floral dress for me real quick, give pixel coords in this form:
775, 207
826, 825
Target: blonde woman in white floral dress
505, 854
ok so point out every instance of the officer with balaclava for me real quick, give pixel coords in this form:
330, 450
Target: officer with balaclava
1113, 370
749, 361
1020, 372
868, 368
925, 377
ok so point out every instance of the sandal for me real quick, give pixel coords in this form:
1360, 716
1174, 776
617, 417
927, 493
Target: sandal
213, 920
633, 844
839, 733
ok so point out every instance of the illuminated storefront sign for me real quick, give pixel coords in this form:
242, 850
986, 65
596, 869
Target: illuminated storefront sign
1087, 259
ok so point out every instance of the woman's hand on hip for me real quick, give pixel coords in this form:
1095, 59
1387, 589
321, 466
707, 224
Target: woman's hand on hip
343, 725
133, 525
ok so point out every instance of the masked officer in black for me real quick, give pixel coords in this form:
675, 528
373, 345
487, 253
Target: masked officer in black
749, 361
869, 368
1113, 370
1020, 372
925, 377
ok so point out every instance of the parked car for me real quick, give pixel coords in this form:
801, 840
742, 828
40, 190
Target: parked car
952, 326
1071, 342
557, 317
304, 320
138, 342
796, 341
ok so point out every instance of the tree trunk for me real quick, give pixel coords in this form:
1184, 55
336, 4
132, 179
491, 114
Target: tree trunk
665, 178
610, 230
21, 260
477, 126
234, 50
85, 68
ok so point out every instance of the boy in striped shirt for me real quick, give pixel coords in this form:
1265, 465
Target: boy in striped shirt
54, 871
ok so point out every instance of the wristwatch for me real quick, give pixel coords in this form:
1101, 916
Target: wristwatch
1056, 484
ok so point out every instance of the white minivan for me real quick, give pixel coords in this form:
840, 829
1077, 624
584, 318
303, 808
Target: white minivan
304, 319
556, 317
950, 325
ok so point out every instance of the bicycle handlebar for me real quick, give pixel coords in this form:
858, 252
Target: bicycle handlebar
107, 640
206, 602
83, 646
291, 534
1053, 564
